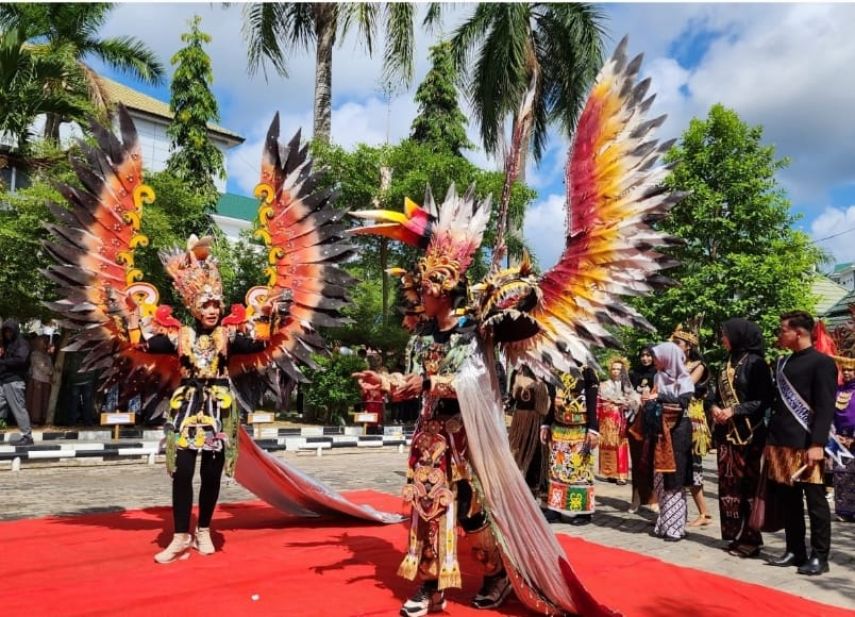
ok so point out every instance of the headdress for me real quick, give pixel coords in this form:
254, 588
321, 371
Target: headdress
194, 273
844, 339
690, 332
450, 236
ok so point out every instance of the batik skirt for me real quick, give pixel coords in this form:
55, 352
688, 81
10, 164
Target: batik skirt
571, 472
614, 445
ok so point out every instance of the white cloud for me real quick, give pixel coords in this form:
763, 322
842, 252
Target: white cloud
544, 229
833, 231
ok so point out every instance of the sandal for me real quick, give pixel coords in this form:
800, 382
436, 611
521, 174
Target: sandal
702, 521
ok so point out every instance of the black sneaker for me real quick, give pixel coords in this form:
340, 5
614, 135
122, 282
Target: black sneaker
493, 591
26, 440
427, 600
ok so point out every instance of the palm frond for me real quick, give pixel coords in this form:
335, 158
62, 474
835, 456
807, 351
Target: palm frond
264, 35
398, 59
501, 73
363, 16
131, 55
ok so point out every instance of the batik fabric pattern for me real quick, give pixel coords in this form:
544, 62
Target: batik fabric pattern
612, 410
570, 489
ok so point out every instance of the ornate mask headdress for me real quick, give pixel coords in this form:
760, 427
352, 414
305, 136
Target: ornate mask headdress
194, 273
450, 236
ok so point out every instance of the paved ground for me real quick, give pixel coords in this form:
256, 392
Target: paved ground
80, 489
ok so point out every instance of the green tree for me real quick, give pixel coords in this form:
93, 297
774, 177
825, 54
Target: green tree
440, 124
276, 30
332, 390
27, 76
534, 62
70, 31
194, 159
741, 256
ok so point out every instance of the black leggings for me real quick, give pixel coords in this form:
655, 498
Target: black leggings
210, 471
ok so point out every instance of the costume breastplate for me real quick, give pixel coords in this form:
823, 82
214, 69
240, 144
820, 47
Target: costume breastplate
202, 353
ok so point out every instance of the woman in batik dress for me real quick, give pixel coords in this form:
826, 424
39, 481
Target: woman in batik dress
641, 377
571, 432
668, 426
743, 397
616, 408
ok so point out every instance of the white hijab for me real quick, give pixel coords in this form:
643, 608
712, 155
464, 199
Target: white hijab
673, 380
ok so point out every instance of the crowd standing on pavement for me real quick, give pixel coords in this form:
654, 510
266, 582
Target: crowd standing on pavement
656, 418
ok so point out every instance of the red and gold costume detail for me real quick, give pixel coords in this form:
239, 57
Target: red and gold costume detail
614, 190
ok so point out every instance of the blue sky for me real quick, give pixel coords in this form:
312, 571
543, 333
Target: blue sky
786, 67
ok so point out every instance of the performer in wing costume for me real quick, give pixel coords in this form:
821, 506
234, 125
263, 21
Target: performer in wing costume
461, 470
146, 350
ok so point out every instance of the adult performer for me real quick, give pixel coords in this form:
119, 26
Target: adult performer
461, 439
570, 432
843, 468
125, 330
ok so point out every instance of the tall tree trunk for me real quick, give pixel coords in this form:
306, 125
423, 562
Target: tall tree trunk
385, 183
325, 31
513, 159
51, 133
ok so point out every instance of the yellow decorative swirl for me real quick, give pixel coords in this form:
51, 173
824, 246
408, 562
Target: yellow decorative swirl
265, 213
264, 191
275, 254
143, 194
133, 275
263, 235
125, 258
138, 240
271, 276
133, 219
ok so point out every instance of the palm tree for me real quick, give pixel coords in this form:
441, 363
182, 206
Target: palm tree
71, 31
28, 77
274, 31
533, 62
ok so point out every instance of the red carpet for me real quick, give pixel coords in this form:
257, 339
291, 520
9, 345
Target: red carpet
102, 565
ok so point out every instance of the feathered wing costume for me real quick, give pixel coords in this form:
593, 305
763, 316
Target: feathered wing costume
125, 331
614, 193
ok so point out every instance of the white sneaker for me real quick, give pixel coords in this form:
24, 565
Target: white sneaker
427, 600
202, 541
177, 549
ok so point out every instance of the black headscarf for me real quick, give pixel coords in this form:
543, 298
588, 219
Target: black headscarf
641, 373
744, 336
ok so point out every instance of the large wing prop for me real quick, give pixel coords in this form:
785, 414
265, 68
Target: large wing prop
614, 193
302, 231
93, 244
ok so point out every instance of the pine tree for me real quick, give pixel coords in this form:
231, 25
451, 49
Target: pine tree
194, 159
440, 124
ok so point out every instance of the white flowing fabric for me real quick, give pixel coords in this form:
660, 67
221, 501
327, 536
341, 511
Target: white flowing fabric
293, 492
528, 544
